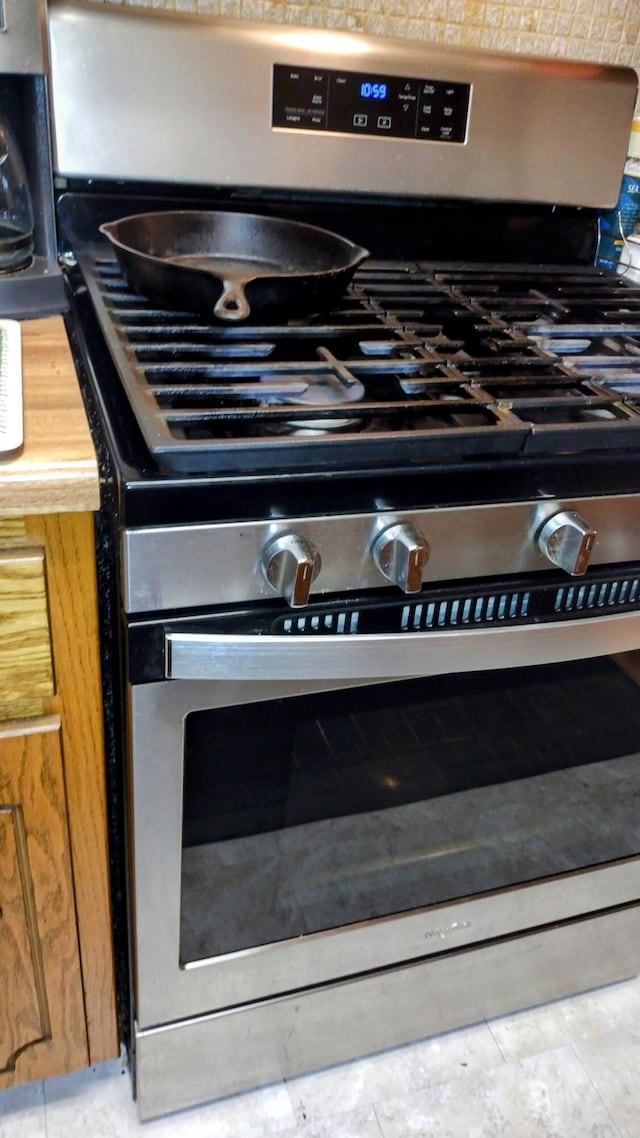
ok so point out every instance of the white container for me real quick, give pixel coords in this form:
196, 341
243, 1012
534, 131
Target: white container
629, 263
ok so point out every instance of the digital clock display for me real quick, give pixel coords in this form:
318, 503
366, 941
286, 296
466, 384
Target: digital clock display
370, 105
373, 90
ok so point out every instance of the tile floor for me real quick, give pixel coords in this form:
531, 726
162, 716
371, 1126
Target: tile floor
567, 1070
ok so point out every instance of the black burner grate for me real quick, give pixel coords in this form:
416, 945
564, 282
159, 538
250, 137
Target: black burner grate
420, 363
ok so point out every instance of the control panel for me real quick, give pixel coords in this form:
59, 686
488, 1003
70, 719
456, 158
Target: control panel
357, 102
303, 558
400, 552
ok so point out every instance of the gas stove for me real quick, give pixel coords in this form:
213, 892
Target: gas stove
346, 558
469, 409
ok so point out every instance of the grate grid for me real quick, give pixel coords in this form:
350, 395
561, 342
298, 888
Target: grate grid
418, 362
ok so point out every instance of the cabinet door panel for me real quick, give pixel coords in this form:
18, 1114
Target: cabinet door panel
24, 1010
42, 1026
69, 541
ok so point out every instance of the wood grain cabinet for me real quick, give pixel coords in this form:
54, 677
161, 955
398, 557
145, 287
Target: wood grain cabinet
57, 992
26, 664
57, 1004
41, 1005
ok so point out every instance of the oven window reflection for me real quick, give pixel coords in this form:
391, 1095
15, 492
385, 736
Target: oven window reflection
316, 812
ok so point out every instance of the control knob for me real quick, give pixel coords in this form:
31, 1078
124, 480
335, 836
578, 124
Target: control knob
567, 541
401, 552
291, 564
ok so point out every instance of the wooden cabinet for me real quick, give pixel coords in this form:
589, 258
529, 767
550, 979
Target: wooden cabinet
41, 1004
26, 664
57, 1004
57, 992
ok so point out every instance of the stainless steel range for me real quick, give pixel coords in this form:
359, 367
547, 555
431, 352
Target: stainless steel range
371, 575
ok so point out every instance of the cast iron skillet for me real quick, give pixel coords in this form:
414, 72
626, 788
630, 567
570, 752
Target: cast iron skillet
233, 265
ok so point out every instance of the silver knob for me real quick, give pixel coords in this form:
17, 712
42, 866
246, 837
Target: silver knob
401, 553
291, 563
567, 541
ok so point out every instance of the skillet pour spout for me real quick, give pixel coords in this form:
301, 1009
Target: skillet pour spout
233, 266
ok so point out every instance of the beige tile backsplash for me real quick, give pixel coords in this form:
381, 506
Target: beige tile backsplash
603, 30
607, 31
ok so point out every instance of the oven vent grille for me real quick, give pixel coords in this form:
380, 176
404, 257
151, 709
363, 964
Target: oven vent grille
332, 622
599, 595
465, 611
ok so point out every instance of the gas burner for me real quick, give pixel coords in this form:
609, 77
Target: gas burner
330, 388
314, 428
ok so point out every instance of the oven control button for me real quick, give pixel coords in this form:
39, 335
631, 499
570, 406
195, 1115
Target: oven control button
401, 553
291, 564
567, 541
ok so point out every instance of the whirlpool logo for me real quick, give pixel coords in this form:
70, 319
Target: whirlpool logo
447, 930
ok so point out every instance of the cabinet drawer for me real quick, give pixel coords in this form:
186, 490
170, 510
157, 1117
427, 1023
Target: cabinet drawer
26, 662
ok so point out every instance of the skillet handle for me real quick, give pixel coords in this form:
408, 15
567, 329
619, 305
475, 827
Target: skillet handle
232, 303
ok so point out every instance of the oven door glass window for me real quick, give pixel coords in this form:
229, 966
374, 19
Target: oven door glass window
318, 811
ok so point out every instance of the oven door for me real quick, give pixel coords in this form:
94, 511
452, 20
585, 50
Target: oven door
315, 808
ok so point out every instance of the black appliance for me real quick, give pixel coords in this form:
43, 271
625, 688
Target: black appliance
36, 288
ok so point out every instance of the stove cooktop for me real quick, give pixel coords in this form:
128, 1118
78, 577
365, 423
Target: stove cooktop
420, 363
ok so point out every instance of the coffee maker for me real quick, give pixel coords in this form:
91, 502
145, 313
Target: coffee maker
32, 286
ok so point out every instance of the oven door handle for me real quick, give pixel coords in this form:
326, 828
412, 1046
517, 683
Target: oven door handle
202, 656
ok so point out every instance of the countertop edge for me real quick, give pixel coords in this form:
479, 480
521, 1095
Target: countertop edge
57, 469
